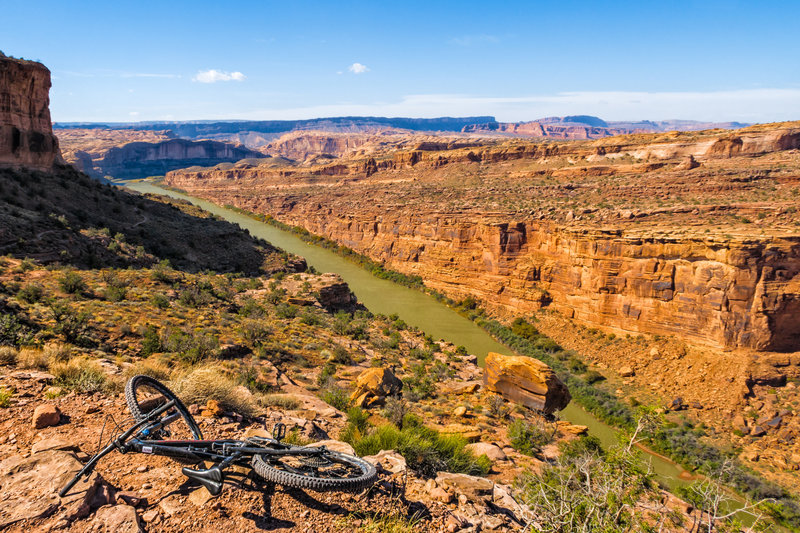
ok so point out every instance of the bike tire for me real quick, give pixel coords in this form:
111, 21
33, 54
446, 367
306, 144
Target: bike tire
366, 477
133, 385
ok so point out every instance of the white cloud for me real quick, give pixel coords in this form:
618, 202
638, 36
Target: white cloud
358, 68
213, 76
134, 113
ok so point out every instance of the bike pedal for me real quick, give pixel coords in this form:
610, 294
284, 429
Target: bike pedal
279, 431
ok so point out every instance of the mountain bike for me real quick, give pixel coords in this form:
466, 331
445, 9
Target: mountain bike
164, 426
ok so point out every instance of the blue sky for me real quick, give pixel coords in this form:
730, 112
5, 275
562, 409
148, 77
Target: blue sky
176, 60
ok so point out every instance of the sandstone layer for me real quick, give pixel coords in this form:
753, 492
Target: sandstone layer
619, 233
26, 134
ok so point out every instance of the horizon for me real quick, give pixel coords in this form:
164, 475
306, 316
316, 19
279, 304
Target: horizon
184, 62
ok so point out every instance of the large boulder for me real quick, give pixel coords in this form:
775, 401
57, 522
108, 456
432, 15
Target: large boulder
526, 381
29, 486
375, 384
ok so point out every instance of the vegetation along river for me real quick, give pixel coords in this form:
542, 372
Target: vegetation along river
413, 306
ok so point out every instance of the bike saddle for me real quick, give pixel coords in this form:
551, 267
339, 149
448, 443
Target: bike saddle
210, 478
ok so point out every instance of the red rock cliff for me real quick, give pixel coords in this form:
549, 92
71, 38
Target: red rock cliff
26, 133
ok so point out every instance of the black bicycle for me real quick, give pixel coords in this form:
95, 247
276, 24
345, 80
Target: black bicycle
163, 426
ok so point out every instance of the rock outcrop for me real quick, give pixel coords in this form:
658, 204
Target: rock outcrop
26, 134
373, 385
140, 159
526, 381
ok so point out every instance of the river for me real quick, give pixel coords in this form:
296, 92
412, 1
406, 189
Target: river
414, 307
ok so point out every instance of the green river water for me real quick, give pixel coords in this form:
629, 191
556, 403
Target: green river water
414, 307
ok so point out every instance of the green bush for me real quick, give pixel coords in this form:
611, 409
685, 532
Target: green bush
529, 437
72, 283
426, 451
30, 293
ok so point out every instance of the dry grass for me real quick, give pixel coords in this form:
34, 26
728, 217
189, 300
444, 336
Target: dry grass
153, 367
282, 401
8, 355
32, 358
211, 383
81, 374
56, 352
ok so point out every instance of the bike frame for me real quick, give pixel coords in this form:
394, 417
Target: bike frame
223, 452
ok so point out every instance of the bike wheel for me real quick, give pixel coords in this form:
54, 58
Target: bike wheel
144, 394
330, 471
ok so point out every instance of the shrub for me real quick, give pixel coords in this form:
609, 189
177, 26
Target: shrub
8, 355
211, 383
5, 397
160, 300
521, 327
395, 411
425, 450
593, 376
116, 294
12, 331
72, 325
162, 272
31, 293
528, 437
81, 375
335, 396
72, 283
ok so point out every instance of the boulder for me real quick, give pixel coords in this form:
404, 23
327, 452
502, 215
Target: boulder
335, 445
461, 387
375, 384
526, 381
212, 409
54, 443
29, 486
626, 372
388, 460
46, 415
475, 488
460, 411
492, 451
117, 519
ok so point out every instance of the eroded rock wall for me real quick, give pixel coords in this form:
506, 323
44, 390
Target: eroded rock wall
26, 133
723, 294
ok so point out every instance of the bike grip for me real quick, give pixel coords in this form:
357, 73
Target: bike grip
63, 492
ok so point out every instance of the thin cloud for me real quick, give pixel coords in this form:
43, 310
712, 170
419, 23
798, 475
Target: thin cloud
469, 40
213, 76
358, 68
148, 75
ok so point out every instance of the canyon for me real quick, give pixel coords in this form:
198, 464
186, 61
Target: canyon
522, 226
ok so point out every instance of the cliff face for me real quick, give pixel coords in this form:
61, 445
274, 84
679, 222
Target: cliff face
723, 294
140, 159
26, 133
